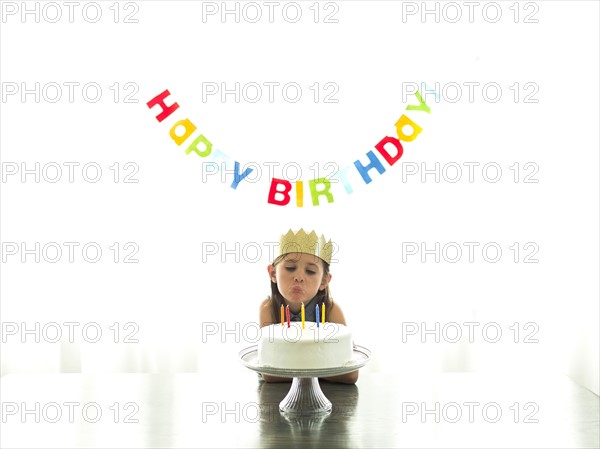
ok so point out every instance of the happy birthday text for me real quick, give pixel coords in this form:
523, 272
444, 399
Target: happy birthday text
280, 190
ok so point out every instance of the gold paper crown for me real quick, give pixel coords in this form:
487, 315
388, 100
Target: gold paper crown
301, 242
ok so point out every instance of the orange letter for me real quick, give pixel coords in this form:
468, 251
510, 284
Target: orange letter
404, 120
189, 129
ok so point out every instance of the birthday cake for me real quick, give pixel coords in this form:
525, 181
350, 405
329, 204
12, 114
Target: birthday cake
328, 345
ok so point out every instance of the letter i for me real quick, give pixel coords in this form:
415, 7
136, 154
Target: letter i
299, 194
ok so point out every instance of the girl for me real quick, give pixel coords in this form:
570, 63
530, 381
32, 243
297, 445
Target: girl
300, 275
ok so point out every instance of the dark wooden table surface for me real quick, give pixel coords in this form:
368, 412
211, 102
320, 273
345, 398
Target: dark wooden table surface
234, 409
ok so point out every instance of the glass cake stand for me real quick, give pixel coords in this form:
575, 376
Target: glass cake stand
305, 396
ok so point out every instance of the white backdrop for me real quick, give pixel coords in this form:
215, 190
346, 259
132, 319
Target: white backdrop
164, 294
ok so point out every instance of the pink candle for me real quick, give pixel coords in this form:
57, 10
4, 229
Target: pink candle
318, 318
287, 314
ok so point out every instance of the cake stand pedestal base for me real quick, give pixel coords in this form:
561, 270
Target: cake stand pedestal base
305, 398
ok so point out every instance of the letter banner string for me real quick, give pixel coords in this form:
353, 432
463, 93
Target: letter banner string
389, 149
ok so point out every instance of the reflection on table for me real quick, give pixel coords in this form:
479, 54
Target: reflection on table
235, 409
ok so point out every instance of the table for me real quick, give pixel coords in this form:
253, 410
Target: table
234, 409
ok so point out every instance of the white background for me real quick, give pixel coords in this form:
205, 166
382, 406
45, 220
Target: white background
172, 215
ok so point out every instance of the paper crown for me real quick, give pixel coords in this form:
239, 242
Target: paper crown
301, 242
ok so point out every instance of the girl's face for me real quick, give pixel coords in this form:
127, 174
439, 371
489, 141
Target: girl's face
299, 277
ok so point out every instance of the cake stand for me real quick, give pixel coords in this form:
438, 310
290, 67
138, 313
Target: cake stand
305, 396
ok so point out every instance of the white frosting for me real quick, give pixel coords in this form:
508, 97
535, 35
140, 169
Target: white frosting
326, 346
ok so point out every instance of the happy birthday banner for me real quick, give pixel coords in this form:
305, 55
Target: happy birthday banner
280, 189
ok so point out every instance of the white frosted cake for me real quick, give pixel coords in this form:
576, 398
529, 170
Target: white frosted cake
326, 346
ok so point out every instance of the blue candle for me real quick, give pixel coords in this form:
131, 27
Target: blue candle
317, 314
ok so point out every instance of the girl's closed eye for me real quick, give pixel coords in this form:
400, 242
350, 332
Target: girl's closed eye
290, 268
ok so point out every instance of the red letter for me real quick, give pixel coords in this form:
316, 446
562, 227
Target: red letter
166, 110
287, 186
380, 147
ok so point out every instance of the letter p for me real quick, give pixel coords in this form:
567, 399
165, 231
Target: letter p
209, 408
209, 249
9, 168
9, 9
409, 249
409, 88
9, 88
9, 249
209, 88
409, 408
409, 9
409, 328
9, 408
9, 328
209, 329
209, 9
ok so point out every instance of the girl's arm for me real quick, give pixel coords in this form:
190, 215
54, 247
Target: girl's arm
266, 318
337, 316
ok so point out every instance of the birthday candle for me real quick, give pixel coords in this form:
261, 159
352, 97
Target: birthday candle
302, 313
282, 315
323, 314
317, 314
287, 313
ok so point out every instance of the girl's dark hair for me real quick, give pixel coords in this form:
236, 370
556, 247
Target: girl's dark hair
323, 296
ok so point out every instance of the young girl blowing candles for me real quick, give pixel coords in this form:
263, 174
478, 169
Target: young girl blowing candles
300, 276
